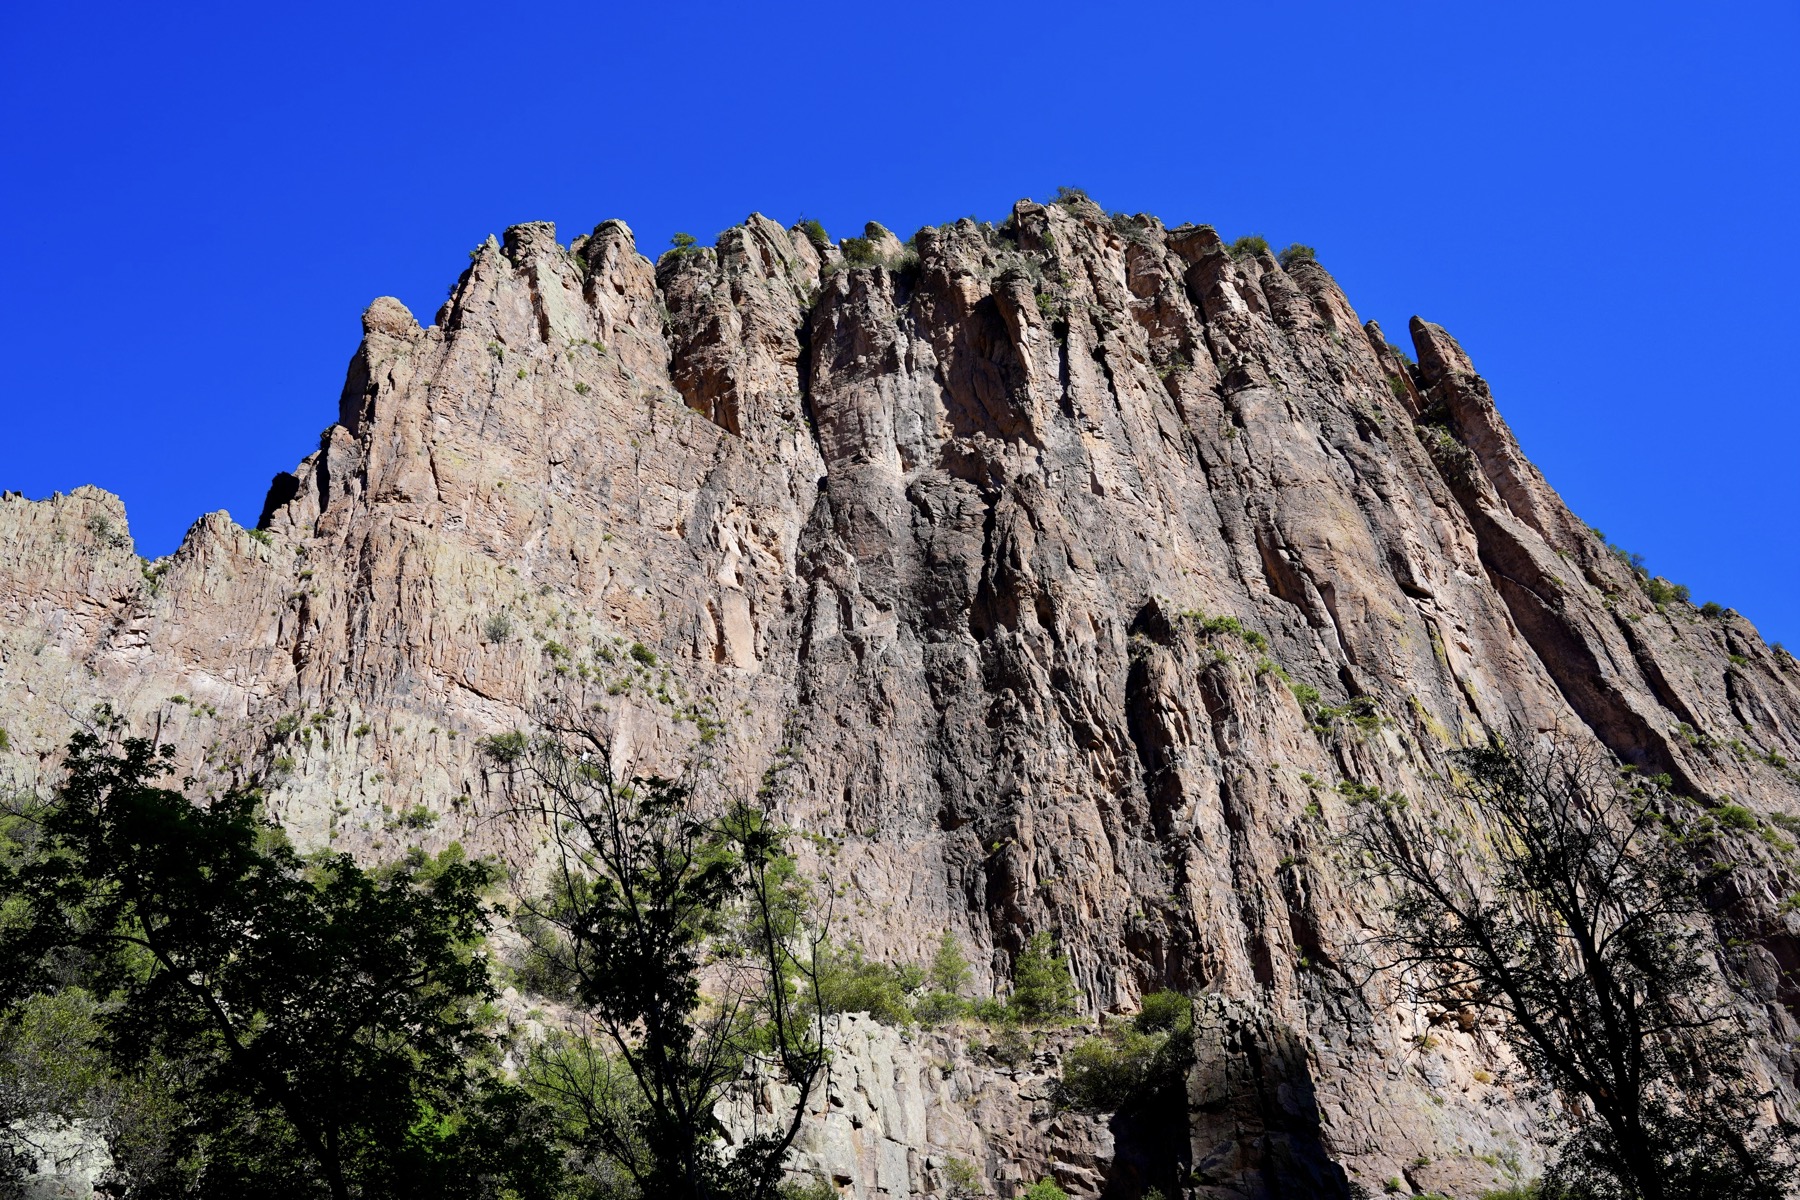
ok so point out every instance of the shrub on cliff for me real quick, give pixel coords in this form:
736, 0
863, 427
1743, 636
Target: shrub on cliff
849, 982
1248, 246
1294, 255
1139, 1061
946, 980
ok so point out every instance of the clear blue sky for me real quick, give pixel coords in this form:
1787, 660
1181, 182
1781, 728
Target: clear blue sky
1599, 200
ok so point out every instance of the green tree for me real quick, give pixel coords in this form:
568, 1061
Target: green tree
682, 936
946, 979
1570, 898
949, 971
320, 1017
1043, 990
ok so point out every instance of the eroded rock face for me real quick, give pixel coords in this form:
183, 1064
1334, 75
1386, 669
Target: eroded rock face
930, 542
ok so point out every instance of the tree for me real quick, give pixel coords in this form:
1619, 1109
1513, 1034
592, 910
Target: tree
949, 972
1043, 990
681, 934
946, 979
1568, 896
321, 1017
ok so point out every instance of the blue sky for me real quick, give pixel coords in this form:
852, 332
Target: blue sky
1599, 200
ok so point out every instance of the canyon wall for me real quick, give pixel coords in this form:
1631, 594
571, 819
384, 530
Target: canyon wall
930, 544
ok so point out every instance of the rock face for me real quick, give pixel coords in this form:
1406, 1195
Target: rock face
929, 543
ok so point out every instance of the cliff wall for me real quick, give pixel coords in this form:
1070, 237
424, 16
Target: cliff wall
935, 542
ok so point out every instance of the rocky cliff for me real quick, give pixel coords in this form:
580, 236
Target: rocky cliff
936, 539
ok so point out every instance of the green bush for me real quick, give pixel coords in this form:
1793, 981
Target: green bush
816, 1187
1735, 816
940, 1008
815, 232
849, 982
505, 747
1045, 1189
860, 252
949, 971
1103, 1074
1359, 711
1165, 1012
1712, 609
1131, 1062
1249, 245
1296, 254
947, 978
1661, 591
683, 244
962, 1179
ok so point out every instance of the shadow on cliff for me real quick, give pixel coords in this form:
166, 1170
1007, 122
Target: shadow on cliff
1246, 1127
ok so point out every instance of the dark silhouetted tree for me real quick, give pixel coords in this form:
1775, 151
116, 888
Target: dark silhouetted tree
1569, 896
325, 1020
681, 934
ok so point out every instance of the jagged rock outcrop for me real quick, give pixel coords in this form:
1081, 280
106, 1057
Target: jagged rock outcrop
932, 538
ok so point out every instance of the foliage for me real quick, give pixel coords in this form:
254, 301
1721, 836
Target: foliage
849, 982
860, 252
1132, 1063
312, 1022
647, 895
1360, 711
497, 628
506, 748
1043, 990
1226, 624
1044, 1189
962, 1179
1659, 590
815, 232
683, 245
1295, 254
816, 1187
865, 251
1576, 910
1249, 245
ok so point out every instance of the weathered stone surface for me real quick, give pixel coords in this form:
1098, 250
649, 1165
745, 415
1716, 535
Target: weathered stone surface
927, 541
898, 1105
